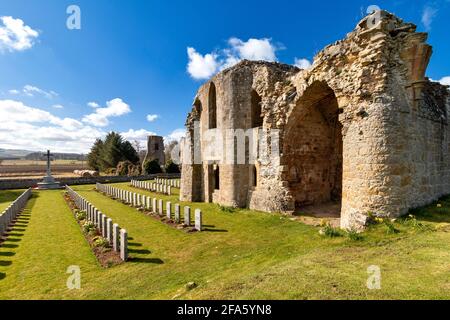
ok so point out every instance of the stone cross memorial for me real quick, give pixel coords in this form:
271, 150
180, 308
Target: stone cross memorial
48, 182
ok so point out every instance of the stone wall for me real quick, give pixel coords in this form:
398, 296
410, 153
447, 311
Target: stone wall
6, 184
363, 127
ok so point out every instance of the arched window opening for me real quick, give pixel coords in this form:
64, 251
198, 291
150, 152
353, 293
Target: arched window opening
212, 107
254, 176
256, 112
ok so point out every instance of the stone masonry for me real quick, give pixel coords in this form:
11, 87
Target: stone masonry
363, 128
155, 150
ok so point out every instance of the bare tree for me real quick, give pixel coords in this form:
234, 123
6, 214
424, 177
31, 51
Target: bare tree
140, 151
168, 149
137, 146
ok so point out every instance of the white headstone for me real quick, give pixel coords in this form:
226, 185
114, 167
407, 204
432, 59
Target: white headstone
198, 219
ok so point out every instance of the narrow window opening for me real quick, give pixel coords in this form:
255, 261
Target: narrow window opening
256, 112
217, 178
212, 108
254, 176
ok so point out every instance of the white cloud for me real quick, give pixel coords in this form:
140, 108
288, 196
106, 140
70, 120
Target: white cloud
31, 128
204, 66
253, 49
140, 135
16, 111
58, 106
201, 67
428, 15
302, 63
175, 135
35, 129
30, 91
15, 35
152, 117
93, 104
114, 108
445, 81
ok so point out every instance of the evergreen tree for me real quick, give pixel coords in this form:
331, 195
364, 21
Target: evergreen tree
152, 167
112, 151
109, 153
94, 157
129, 153
171, 167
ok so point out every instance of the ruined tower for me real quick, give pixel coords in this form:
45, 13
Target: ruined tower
362, 128
155, 150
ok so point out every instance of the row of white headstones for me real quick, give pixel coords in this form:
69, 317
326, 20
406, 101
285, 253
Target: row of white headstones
154, 205
168, 182
152, 186
14, 209
110, 231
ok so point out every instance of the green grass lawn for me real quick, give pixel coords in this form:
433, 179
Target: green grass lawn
242, 254
7, 197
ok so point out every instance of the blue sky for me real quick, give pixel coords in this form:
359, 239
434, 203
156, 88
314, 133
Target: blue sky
131, 59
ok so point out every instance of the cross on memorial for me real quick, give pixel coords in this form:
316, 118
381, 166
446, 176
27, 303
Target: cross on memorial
48, 181
48, 155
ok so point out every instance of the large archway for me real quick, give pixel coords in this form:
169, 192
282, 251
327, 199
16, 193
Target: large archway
312, 153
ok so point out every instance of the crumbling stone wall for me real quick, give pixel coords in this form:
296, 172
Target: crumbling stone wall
363, 125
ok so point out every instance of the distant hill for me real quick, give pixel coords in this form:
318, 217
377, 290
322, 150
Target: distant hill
55, 156
32, 155
13, 154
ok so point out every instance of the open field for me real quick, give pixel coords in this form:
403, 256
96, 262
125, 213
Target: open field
41, 162
242, 254
31, 169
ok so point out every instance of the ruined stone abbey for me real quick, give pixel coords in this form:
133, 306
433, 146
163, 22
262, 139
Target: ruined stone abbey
363, 129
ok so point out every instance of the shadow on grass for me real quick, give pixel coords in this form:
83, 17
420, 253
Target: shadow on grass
12, 240
16, 232
213, 230
209, 228
9, 195
146, 260
9, 246
139, 251
133, 244
437, 212
21, 225
7, 254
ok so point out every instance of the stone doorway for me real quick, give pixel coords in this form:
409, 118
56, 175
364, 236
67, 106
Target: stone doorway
313, 153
